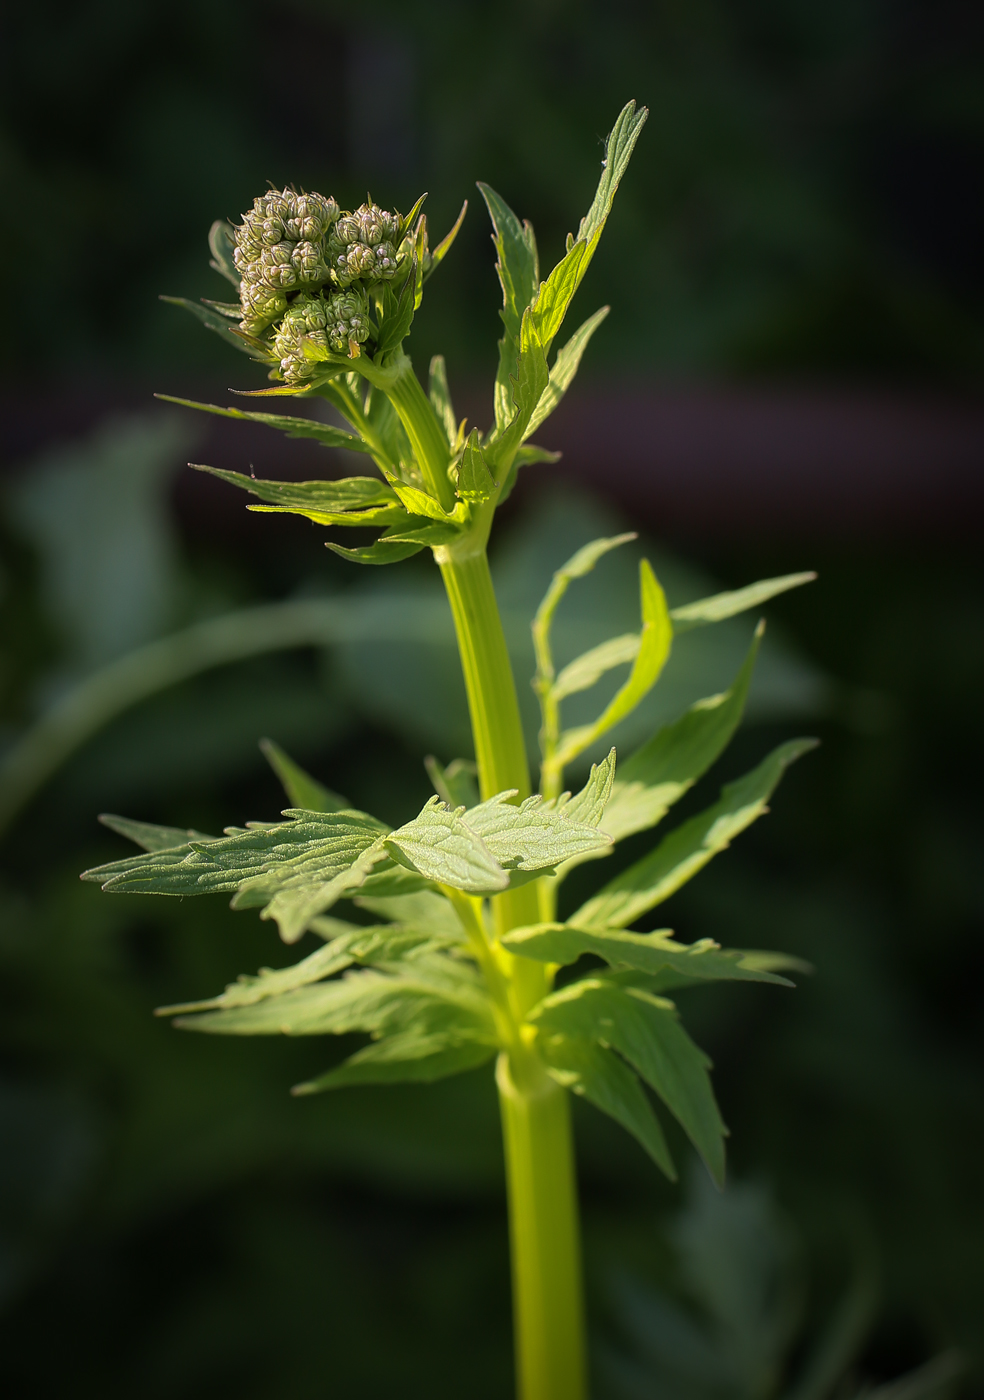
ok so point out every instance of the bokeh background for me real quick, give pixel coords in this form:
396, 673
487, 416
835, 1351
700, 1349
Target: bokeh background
790, 378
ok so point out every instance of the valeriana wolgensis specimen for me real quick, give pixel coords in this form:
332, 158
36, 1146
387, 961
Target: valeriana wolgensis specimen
459, 967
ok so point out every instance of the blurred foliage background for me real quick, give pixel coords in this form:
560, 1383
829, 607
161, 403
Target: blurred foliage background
805, 206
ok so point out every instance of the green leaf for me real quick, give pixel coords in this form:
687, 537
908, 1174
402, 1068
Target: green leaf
150, 837
475, 482
565, 367
440, 846
439, 253
353, 493
606, 1081
532, 377
407, 1057
590, 804
425, 907
222, 241
528, 455
680, 855
654, 648
656, 776
382, 552
294, 869
256, 349
302, 790
418, 531
293, 427
396, 322
457, 785
587, 669
554, 295
440, 397
474, 849
724, 605
618, 151
645, 1029
654, 953
271, 982
517, 263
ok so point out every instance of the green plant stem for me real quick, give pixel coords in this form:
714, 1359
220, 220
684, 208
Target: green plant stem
544, 1233
426, 435
543, 1228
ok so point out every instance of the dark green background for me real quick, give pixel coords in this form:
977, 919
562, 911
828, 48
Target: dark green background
805, 204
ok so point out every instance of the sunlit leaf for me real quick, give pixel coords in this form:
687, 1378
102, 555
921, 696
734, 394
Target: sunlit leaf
645, 1029
151, 837
564, 368
407, 1057
440, 397
680, 855
293, 427
724, 605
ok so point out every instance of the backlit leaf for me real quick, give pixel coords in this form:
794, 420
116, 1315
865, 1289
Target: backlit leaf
407, 1057
302, 790
723, 605
286, 423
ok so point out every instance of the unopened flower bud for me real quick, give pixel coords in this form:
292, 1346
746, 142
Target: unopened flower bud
261, 306
348, 320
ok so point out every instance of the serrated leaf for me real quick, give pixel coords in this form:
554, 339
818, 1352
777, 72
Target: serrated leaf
285, 423
554, 295
652, 953
588, 668
425, 907
532, 377
528, 455
395, 325
645, 1029
353, 493
302, 790
536, 835
724, 605
654, 649
605, 1080
516, 264
591, 803
407, 1057
475, 481
618, 152
221, 242
685, 851
440, 397
564, 368
418, 531
151, 837
440, 846
457, 785
293, 870
382, 552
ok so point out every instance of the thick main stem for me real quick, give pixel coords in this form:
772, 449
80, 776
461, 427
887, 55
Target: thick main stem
540, 1177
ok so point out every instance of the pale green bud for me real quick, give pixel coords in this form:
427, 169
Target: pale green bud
348, 320
261, 306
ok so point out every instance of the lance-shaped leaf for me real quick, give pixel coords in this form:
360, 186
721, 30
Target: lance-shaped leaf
302, 790
324, 501
153, 838
367, 1000
554, 295
654, 648
680, 855
439, 253
407, 1057
591, 803
656, 776
618, 152
419, 532
286, 423
398, 312
653, 953
724, 605
442, 847
564, 368
294, 869
588, 668
645, 1029
271, 982
440, 397
605, 1080
516, 264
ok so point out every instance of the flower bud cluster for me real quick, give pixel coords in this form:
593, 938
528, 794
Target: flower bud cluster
363, 245
280, 247
338, 323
